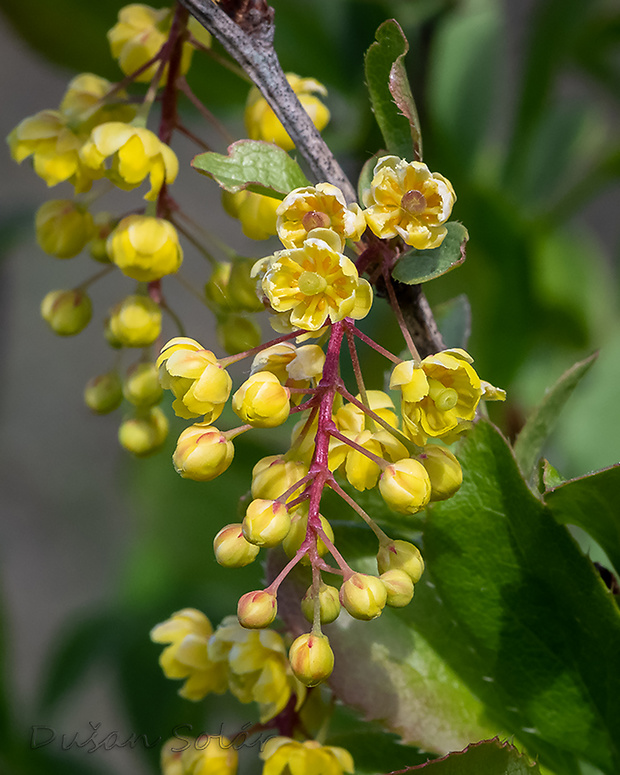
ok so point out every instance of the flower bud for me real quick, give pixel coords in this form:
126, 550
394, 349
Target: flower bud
104, 393
311, 658
135, 322
266, 522
145, 434
297, 534
202, 453
216, 288
242, 288
104, 224
403, 556
236, 334
231, 549
256, 212
145, 248
405, 486
399, 587
63, 228
444, 471
66, 312
256, 610
363, 596
141, 386
329, 603
272, 476
262, 401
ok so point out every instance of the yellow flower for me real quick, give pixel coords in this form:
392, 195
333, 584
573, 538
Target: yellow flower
262, 401
318, 207
134, 154
145, 248
63, 228
144, 434
187, 632
258, 670
140, 33
405, 199
135, 322
202, 453
272, 476
84, 103
296, 367
213, 756
262, 124
283, 755
439, 395
311, 658
256, 212
200, 385
364, 596
315, 283
405, 486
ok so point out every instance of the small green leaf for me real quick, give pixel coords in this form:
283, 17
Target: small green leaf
390, 93
591, 502
536, 430
419, 266
253, 165
488, 757
365, 178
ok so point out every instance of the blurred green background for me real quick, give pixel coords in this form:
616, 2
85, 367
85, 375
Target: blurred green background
519, 109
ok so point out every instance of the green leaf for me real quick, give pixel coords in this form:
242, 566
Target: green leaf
390, 93
419, 266
365, 178
530, 608
591, 502
253, 165
488, 757
536, 430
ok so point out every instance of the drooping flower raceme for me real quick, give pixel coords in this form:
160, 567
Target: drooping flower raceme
127, 154
145, 248
405, 199
318, 207
283, 755
313, 284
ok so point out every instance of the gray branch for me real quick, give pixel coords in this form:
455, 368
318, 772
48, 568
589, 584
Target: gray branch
252, 47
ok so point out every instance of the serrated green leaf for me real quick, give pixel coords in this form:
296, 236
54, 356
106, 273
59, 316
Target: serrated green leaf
253, 165
591, 503
390, 93
530, 607
419, 266
536, 430
488, 757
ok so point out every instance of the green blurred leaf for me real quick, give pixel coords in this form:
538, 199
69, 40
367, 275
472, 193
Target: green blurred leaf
530, 606
390, 93
377, 751
591, 503
535, 432
453, 318
366, 175
253, 165
419, 266
488, 757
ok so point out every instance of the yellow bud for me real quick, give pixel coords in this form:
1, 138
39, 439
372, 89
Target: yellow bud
256, 610
405, 486
231, 549
236, 334
135, 322
63, 228
262, 401
399, 587
444, 471
297, 534
401, 555
104, 393
141, 386
216, 288
273, 476
66, 312
363, 596
266, 522
256, 212
145, 248
311, 658
329, 604
242, 288
202, 453
145, 434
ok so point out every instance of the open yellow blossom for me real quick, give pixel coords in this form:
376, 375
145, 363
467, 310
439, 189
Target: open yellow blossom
283, 755
405, 199
84, 103
296, 367
145, 248
318, 207
439, 395
315, 283
199, 383
258, 668
187, 632
261, 122
140, 33
127, 154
